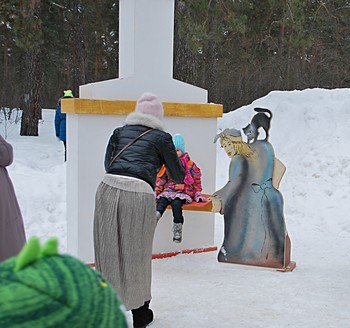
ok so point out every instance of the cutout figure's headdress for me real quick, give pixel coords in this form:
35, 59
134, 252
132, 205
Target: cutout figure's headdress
232, 133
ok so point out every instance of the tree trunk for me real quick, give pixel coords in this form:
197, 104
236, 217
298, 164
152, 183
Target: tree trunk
211, 66
79, 62
99, 47
4, 71
31, 102
30, 12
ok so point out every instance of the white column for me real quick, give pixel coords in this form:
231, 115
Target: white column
146, 30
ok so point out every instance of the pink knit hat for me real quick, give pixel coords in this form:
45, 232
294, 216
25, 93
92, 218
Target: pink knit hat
149, 104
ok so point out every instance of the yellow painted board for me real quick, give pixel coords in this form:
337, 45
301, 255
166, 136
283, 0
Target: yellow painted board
124, 107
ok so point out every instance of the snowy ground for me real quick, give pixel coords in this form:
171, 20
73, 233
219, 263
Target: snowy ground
309, 132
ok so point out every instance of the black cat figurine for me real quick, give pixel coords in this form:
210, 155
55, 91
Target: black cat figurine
259, 120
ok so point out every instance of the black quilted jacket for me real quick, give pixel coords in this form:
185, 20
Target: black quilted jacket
145, 157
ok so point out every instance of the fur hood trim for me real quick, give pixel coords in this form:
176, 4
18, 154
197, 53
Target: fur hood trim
150, 121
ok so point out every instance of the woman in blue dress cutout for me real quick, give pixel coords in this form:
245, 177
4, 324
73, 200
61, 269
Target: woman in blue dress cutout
255, 232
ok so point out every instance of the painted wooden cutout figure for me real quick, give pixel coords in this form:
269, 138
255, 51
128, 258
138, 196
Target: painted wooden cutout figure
255, 231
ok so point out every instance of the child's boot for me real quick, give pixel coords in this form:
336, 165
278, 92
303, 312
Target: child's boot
159, 215
177, 238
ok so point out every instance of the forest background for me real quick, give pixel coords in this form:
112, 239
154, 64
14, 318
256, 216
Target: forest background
239, 50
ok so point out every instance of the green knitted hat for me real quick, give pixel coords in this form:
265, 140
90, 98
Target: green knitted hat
40, 288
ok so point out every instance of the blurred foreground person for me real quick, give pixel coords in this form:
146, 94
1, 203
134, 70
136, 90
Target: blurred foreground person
40, 288
12, 235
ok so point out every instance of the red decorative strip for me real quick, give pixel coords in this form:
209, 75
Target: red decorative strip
185, 251
171, 254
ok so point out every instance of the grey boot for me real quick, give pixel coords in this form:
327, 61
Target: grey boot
177, 228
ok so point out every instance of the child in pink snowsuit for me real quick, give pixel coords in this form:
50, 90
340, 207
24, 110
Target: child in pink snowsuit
170, 193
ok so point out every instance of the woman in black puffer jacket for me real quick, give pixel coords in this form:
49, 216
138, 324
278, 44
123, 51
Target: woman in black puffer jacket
125, 208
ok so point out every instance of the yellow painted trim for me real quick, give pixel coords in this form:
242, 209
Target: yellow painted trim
124, 107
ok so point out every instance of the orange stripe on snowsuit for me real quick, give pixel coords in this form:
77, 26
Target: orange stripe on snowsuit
161, 171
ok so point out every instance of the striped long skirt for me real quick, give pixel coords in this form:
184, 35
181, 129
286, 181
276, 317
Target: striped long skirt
124, 226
